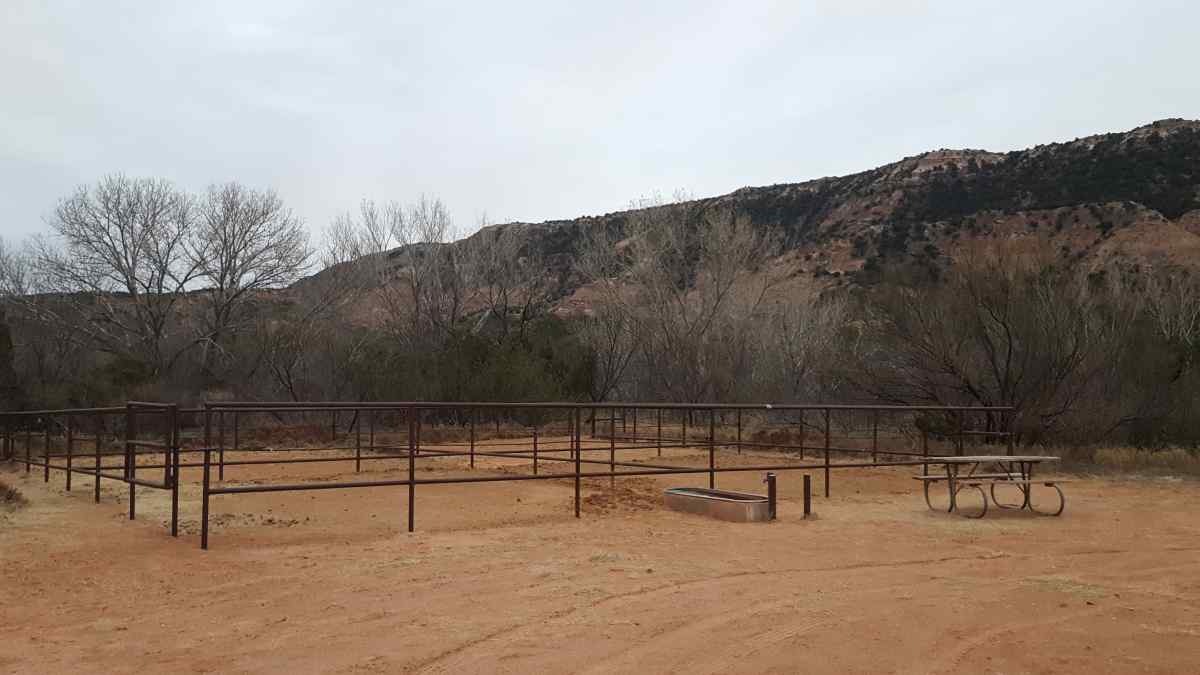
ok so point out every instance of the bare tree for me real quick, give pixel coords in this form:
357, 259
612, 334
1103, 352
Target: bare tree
15, 273
1003, 328
801, 338
509, 275
691, 277
1173, 303
119, 268
245, 241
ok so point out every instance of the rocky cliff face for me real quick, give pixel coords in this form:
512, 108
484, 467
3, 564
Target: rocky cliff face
1130, 197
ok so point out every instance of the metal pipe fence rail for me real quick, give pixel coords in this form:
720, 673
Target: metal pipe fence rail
548, 437
69, 421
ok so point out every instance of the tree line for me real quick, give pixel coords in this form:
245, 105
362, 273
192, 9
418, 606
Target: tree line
143, 290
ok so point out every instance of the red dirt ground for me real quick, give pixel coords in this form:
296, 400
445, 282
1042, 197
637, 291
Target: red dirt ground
500, 577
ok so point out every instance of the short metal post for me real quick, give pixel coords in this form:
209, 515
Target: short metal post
204, 498
635, 416
413, 426
371, 433
474, 414
28, 445
686, 415
771, 495
333, 427
46, 455
70, 448
712, 455
535, 451
807, 495
827, 453
358, 442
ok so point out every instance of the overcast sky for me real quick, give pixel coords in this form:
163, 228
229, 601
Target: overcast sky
535, 111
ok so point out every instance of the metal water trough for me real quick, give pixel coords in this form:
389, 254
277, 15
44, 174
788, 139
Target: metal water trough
738, 507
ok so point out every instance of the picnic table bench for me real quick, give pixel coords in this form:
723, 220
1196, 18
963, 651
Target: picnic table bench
990, 471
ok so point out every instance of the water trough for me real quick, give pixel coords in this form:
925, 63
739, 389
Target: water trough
738, 507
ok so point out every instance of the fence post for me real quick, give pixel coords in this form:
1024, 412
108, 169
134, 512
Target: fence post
204, 497
827, 453
807, 495
358, 441
802, 432
535, 451
612, 447
168, 438
413, 427
46, 455
70, 448
958, 443
474, 415
739, 431
237, 431
99, 433
1008, 425
578, 443
875, 438
925, 452
28, 445
658, 439
173, 447
712, 439
221, 445
131, 454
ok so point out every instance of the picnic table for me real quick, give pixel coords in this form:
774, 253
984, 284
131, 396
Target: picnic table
976, 471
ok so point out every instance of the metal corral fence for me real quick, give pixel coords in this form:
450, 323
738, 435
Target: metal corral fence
549, 436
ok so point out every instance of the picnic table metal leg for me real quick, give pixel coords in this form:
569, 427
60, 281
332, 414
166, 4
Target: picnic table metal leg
1062, 500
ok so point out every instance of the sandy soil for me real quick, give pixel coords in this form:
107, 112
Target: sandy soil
500, 577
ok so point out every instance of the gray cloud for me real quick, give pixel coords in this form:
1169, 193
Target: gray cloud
532, 111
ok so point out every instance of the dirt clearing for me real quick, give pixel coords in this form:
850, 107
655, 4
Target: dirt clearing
500, 577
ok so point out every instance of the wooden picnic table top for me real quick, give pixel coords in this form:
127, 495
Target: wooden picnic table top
976, 459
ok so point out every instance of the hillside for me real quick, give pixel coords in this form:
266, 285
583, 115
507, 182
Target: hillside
1132, 198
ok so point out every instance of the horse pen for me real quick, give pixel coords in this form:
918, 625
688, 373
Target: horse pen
439, 536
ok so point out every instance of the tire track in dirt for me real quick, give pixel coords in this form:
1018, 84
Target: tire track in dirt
457, 660
453, 660
952, 662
